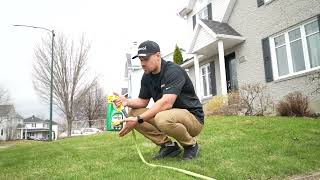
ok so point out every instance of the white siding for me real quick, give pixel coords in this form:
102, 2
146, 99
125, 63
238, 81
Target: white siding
203, 39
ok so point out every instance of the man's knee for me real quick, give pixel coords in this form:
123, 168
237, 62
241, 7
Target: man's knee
163, 120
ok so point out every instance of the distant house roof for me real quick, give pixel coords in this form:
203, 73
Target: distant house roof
18, 116
5, 109
220, 28
53, 122
34, 119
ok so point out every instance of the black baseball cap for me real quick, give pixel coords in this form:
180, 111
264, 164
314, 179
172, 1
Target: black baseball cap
147, 48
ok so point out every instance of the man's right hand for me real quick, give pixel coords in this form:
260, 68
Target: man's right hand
122, 100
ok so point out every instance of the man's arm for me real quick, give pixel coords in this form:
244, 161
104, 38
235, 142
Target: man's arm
137, 103
165, 103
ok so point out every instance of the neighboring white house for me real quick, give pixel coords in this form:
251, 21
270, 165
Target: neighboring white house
36, 128
9, 121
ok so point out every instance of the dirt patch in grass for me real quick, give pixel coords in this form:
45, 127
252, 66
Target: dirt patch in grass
310, 176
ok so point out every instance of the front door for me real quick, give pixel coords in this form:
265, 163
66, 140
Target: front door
231, 72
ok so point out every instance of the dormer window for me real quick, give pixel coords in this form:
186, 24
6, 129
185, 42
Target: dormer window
203, 14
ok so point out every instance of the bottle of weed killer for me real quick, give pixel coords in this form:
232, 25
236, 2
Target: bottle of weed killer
114, 115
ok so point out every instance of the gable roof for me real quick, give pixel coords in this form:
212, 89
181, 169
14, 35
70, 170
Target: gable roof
213, 31
5, 109
35, 119
220, 28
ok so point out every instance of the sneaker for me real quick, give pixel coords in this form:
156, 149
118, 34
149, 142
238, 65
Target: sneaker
168, 150
191, 152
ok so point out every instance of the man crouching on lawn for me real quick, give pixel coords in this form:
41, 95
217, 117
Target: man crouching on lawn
177, 111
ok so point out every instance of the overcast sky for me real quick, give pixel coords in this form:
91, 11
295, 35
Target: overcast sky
110, 26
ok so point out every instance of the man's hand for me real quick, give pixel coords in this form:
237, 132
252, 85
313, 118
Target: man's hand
122, 100
130, 124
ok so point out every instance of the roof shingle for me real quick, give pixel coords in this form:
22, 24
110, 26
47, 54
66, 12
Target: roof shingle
220, 28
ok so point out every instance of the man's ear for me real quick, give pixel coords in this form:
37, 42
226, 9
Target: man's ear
158, 55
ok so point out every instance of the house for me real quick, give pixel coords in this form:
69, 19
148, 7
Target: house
9, 121
274, 42
36, 128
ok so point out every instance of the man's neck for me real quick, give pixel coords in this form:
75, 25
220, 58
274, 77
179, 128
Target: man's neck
157, 71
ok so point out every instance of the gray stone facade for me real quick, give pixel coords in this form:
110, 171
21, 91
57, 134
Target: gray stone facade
255, 23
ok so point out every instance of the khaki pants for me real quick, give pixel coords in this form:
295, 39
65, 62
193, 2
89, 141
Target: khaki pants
177, 123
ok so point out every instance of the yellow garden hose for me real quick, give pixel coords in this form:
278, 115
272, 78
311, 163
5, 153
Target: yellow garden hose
167, 167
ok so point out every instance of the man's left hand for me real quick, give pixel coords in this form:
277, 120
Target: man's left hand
130, 124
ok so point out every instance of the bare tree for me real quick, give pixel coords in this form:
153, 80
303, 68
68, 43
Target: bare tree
4, 96
315, 80
92, 106
70, 74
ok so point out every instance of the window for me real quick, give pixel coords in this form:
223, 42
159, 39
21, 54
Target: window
206, 86
33, 125
203, 14
313, 43
1, 132
296, 51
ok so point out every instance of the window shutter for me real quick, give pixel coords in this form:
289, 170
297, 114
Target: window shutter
260, 2
194, 20
213, 79
267, 60
209, 7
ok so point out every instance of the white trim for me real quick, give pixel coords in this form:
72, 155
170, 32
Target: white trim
187, 64
273, 56
305, 47
195, 33
298, 73
197, 74
289, 54
228, 11
225, 36
267, 1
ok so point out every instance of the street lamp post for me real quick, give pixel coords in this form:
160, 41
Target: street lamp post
51, 73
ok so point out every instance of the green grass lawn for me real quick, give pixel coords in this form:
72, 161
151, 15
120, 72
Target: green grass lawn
231, 148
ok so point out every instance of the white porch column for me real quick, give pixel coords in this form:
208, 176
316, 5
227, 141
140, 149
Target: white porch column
197, 75
21, 133
222, 68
